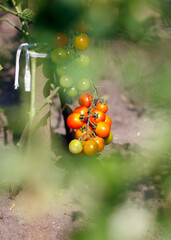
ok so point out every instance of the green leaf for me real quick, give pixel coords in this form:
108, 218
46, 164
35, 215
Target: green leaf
29, 14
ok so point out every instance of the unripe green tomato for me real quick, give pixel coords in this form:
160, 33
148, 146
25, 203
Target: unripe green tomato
65, 81
75, 146
83, 60
59, 55
61, 70
108, 139
72, 92
83, 84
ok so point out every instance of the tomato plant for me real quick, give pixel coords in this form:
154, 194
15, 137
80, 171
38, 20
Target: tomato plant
95, 132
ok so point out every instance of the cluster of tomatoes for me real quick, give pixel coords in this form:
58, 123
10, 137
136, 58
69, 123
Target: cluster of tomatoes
71, 66
91, 124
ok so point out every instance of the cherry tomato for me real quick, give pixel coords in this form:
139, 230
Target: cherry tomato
100, 141
81, 110
73, 121
83, 60
65, 81
102, 129
81, 42
83, 85
90, 147
61, 70
97, 116
60, 40
75, 146
108, 120
83, 132
72, 92
59, 55
102, 107
108, 139
85, 99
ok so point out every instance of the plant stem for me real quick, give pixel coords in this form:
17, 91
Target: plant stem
19, 14
33, 89
26, 129
13, 25
48, 99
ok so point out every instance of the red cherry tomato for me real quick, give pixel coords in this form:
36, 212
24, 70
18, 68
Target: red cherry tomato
60, 40
97, 116
100, 141
73, 121
90, 147
102, 107
81, 110
102, 129
85, 99
81, 42
108, 120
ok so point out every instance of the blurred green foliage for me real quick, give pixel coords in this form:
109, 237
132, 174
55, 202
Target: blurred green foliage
137, 38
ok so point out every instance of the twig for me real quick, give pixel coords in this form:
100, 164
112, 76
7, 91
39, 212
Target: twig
13, 25
17, 14
22, 19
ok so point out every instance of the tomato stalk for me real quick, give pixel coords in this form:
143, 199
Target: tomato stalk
87, 126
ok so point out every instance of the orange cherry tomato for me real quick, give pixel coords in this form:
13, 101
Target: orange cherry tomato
102, 107
81, 42
85, 99
102, 129
60, 40
90, 147
97, 116
83, 132
73, 121
108, 120
100, 141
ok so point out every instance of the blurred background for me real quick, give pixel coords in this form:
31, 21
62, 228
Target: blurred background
124, 192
